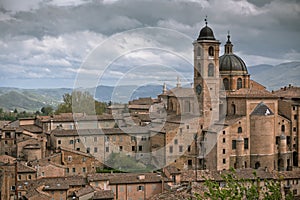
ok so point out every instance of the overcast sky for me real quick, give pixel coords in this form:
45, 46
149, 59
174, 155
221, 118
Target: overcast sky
50, 43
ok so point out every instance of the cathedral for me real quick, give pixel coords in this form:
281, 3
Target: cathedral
227, 119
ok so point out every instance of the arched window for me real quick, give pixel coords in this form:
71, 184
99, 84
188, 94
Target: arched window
198, 51
211, 70
239, 83
226, 83
257, 165
282, 128
233, 109
199, 70
240, 130
211, 51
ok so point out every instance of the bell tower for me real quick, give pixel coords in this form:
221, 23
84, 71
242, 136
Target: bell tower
206, 75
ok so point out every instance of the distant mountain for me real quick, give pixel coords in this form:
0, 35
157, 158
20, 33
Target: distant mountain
275, 77
35, 99
30, 99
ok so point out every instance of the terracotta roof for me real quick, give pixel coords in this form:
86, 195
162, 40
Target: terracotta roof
142, 107
69, 117
3, 123
172, 170
250, 93
32, 128
25, 169
142, 101
7, 159
75, 152
85, 190
127, 178
104, 194
232, 119
181, 92
288, 92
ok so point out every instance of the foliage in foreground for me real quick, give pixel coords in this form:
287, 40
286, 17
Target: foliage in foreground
233, 188
122, 162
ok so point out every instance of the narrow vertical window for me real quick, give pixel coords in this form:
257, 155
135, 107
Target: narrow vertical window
211, 70
239, 83
226, 83
211, 51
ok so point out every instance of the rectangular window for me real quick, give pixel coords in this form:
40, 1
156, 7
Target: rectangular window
132, 148
224, 132
88, 150
180, 149
106, 149
140, 148
106, 138
224, 161
71, 142
95, 139
233, 144
288, 139
59, 142
295, 117
294, 107
189, 148
69, 158
187, 126
175, 141
132, 138
277, 139
144, 138
95, 149
224, 151
246, 143
171, 149
83, 169
224, 140
78, 140
121, 148
140, 188
19, 177
73, 170
190, 162
77, 149
294, 129
120, 138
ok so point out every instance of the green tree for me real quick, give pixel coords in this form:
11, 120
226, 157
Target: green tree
234, 188
47, 110
80, 102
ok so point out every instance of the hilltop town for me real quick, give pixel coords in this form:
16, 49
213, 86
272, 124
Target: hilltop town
160, 148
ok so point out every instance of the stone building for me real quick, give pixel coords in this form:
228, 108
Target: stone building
238, 122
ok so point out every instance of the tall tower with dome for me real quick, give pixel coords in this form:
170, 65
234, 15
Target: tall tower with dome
206, 74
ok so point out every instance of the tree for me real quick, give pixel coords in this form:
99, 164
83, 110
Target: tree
80, 102
47, 110
239, 189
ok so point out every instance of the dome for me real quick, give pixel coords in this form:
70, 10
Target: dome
206, 33
231, 62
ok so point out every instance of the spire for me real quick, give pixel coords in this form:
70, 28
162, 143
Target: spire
178, 82
228, 45
205, 20
165, 88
